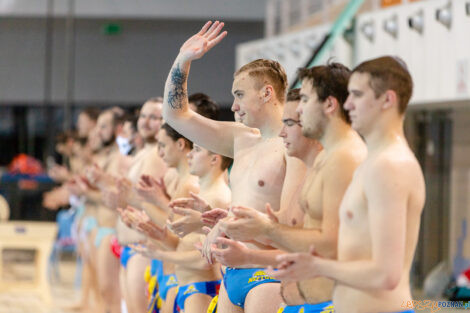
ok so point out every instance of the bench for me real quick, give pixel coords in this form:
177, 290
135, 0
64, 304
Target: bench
37, 236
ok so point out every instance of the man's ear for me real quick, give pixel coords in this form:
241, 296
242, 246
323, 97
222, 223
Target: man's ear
330, 105
390, 99
215, 158
180, 144
267, 93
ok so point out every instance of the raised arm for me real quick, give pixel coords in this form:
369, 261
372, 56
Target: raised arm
213, 135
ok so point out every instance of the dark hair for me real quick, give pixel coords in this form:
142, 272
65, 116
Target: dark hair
65, 136
204, 105
329, 80
131, 118
226, 162
389, 73
174, 135
117, 114
91, 112
267, 72
293, 95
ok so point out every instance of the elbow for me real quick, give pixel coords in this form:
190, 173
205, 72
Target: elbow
389, 280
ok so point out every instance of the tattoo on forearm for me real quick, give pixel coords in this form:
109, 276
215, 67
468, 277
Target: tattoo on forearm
177, 92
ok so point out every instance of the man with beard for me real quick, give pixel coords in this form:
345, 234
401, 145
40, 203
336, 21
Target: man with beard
147, 161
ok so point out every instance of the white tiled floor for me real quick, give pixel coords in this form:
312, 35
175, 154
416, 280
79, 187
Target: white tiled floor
64, 293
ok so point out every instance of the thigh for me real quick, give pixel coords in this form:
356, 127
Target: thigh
225, 305
170, 301
135, 282
107, 266
264, 298
197, 303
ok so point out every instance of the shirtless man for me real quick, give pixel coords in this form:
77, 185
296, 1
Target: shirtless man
260, 163
322, 116
380, 212
107, 267
236, 253
198, 281
147, 161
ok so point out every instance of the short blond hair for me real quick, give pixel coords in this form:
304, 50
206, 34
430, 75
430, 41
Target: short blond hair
267, 72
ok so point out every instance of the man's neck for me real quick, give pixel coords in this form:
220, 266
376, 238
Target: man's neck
182, 168
336, 131
272, 120
311, 154
384, 135
210, 179
150, 144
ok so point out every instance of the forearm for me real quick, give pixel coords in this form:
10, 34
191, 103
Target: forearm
169, 243
263, 258
176, 90
295, 239
359, 274
106, 181
190, 259
157, 215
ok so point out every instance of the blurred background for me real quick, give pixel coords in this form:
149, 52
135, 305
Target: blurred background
60, 56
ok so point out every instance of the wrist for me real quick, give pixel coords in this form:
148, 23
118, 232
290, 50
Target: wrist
321, 266
268, 228
182, 60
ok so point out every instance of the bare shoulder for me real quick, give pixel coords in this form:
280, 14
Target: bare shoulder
171, 175
343, 161
191, 185
396, 166
245, 135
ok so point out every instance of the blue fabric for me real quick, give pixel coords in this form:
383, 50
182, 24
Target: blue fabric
165, 283
126, 254
41, 178
65, 220
103, 232
156, 269
324, 307
206, 287
239, 281
80, 211
89, 223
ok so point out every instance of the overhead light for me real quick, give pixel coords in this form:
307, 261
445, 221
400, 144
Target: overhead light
444, 15
391, 26
368, 30
416, 21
